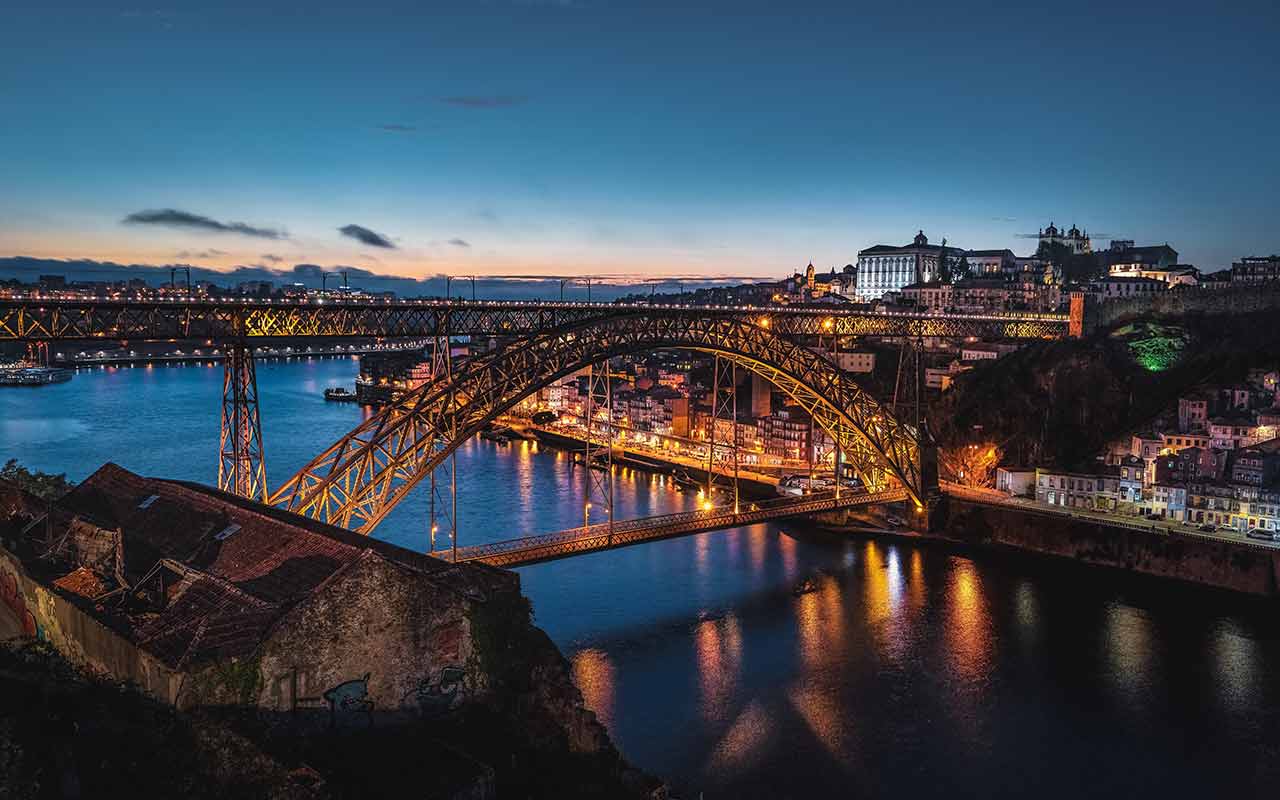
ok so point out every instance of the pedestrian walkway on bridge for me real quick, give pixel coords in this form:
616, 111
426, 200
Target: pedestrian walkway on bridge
607, 536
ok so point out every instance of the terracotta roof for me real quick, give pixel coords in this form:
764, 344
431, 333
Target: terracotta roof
234, 566
81, 581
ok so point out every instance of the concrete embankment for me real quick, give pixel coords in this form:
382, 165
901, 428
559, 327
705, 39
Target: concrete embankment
1238, 566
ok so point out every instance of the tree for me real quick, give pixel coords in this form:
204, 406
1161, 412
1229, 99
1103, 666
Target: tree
944, 263
973, 465
1076, 268
44, 485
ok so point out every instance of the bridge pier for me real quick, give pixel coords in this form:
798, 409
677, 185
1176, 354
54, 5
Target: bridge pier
241, 463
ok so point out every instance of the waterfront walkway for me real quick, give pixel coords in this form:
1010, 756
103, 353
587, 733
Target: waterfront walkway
603, 536
993, 497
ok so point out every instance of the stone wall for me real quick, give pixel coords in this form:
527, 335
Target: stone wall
58, 619
1188, 299
378, 638
1239, 566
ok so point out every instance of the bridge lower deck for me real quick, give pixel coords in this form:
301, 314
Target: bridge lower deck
589, 539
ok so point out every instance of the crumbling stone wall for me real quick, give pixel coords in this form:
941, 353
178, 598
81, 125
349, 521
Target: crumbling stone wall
86, 642
378, 639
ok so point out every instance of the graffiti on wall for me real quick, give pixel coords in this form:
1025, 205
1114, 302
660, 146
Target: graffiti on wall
349, 701
11, 594
436, 696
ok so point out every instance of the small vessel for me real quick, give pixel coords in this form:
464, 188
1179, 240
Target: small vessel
339, 394
684, 480
499, 435
805, 587
22, 373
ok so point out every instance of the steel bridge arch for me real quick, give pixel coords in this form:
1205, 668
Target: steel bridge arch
366, 473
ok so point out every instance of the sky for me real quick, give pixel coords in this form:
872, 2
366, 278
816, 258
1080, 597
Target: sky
603, 137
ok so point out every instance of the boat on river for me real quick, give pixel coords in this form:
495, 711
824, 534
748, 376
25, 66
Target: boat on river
339, 394
22, 373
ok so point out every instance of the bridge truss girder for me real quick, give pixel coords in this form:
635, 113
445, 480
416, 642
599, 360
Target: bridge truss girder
363, 475
48, 320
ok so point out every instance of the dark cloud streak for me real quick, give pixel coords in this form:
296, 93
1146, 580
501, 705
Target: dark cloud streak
459, 243
366, 236
173, 218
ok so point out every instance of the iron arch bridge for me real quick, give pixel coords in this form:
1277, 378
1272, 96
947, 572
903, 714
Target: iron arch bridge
357, 481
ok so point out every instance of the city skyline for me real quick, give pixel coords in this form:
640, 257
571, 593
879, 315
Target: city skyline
565, 137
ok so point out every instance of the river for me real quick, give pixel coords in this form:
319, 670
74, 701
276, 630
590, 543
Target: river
912, 671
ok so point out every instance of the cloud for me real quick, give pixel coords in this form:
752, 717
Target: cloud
366, 236
271, 258
173, 218
393, 127
210, 253
1004, 219
459, 243
484, 101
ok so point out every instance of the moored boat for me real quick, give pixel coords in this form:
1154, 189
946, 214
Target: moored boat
24, 374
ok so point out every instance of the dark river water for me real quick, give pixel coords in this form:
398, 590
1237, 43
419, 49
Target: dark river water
913, 671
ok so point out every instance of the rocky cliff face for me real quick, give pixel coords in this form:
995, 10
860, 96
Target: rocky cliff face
551, 731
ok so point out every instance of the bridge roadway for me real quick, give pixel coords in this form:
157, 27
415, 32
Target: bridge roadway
597, 537
36, 320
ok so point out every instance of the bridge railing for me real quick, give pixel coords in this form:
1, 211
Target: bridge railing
600, 534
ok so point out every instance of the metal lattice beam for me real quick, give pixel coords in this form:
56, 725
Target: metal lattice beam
47, 320
241, 464
362, 476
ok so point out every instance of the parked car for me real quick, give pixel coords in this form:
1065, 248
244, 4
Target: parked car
1266, 536
1207, 527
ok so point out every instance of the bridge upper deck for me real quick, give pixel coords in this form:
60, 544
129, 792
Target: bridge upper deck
28, 319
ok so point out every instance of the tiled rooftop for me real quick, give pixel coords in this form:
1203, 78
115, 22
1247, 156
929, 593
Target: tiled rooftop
218, 569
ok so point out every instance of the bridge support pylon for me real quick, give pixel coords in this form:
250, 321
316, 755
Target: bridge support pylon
241, 463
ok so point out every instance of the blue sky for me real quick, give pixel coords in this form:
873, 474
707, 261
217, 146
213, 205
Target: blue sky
616, 137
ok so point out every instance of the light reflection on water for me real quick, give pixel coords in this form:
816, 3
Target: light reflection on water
593, 674
911, 671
